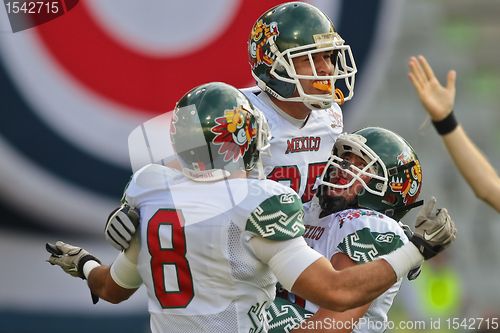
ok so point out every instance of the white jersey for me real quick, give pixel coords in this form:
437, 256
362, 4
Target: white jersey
362, 235
298, 152
200, 274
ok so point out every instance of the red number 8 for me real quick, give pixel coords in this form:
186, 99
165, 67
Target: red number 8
174, 255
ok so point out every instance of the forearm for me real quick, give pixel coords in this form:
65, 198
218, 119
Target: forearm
361, 284
355, 286
474, 167
325, 320
346, 289
119, 281
102, 285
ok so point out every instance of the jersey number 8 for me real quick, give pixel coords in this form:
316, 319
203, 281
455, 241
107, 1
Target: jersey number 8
168, 254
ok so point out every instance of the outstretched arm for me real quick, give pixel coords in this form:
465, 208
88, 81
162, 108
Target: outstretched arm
311, 276
439, 101
346, 289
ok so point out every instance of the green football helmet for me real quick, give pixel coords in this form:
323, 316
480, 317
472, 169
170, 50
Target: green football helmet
292, 30
392, 169
215, 130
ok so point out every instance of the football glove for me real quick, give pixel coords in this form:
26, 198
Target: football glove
434, 230
121, 226
70, 258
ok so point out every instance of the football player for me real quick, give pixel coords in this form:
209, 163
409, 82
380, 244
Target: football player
372, 173
297, 57
212, 243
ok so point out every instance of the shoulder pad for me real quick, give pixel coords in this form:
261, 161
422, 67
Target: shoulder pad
279, 217
335, 116
152, 177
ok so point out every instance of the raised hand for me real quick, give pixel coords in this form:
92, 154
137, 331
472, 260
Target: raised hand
436, 99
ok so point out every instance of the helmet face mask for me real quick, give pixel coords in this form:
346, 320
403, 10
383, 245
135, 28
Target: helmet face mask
341, 56
391, 176
215, 131
374, 170
279, 37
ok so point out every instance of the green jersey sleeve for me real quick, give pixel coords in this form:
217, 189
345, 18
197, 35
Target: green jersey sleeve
279, 217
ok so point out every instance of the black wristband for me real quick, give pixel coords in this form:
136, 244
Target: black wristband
446, 125
427, 250
82, 262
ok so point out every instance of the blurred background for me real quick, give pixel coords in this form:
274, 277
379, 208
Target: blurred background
72, 89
